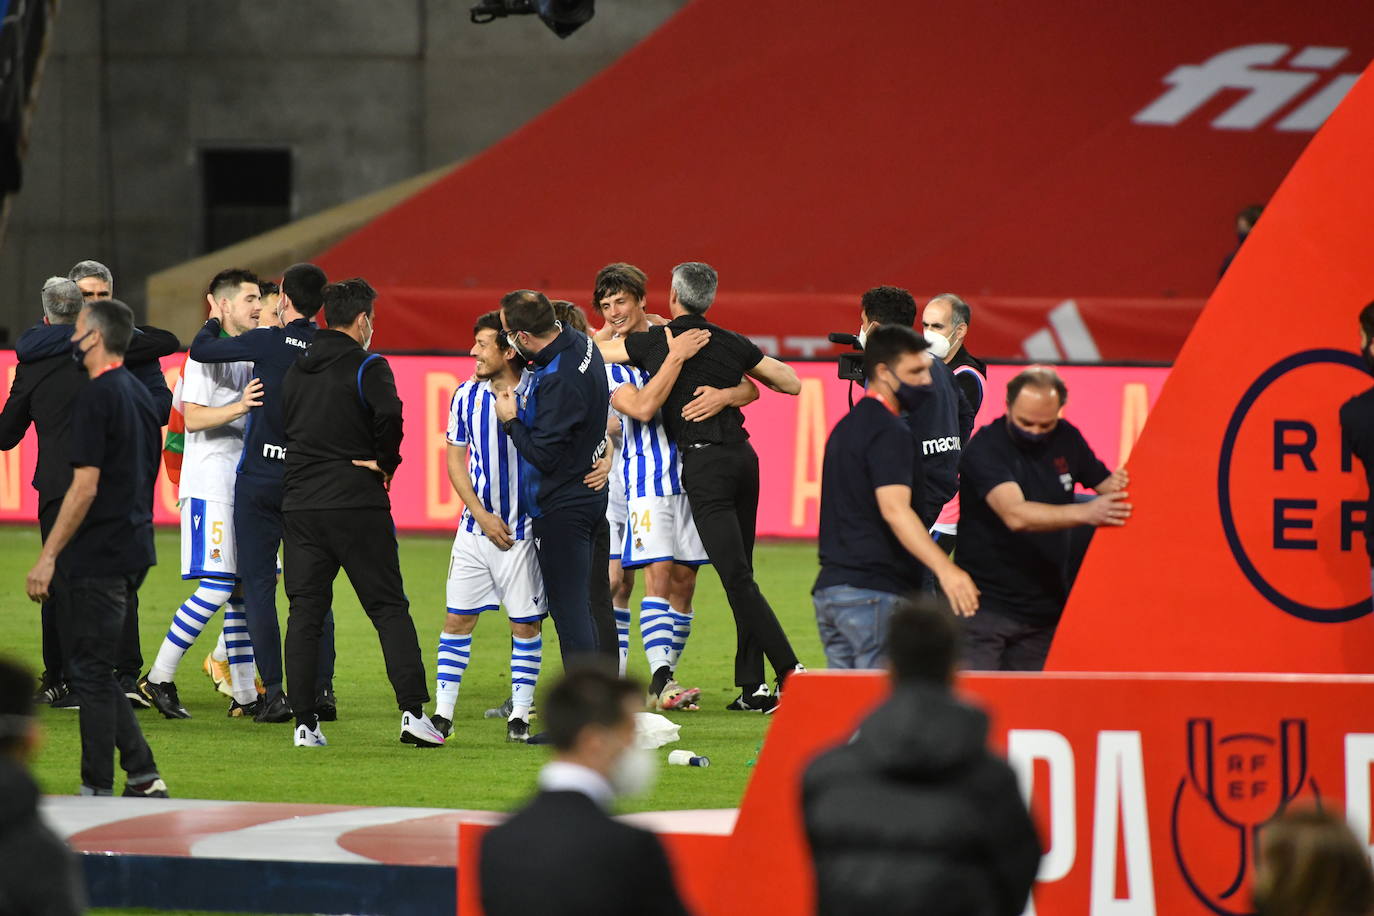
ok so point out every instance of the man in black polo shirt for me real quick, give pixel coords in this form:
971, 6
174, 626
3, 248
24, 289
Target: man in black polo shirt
1017, 478
720, 469
101, 545
869, 532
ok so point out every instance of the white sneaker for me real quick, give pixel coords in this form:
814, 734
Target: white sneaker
308, 737
419, 731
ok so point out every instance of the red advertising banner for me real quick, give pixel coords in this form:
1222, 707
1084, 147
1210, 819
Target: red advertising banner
1149, 790
1108, 403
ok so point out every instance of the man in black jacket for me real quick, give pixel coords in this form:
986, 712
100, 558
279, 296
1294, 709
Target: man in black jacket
38, 874
915, 815
343, 432
46, 382
587, 863
273, 350
558, 426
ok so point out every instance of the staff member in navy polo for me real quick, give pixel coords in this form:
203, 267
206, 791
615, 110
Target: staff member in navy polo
874, 548
258, 488
1017, 478
102, 545
559, 429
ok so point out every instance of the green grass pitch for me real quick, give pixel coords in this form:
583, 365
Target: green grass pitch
212, 756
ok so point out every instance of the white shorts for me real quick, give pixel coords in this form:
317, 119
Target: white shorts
616, 514
482, 578
207, 539
662, 528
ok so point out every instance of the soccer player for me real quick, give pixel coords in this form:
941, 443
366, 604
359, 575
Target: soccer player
659, 533
494, 560
215, 399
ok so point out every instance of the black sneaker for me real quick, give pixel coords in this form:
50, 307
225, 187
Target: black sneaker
760, 700
327, 706
66, 698
49, 689
518, 730
239, 710
163, 697
541, 738
129, 684
153, 789
442, 725
777, 693
276, 709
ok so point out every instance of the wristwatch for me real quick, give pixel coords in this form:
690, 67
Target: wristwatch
507, 425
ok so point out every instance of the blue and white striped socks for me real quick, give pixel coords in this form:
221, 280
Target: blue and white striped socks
682, 628
454, 654
187, 624
240, 650
656, 627
526, 660
622, 629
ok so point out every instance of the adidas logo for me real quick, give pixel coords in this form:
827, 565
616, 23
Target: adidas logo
1066, 339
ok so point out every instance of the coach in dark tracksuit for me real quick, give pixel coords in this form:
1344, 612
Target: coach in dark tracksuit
258, 486
46, 383
343, 444
559, 429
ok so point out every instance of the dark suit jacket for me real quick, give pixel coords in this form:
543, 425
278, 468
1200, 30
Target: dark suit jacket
563, 856
45, 385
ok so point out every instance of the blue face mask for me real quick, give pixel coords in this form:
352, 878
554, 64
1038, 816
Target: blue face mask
1025, 436
78, 354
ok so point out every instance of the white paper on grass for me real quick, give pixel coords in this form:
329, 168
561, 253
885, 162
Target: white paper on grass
653, 731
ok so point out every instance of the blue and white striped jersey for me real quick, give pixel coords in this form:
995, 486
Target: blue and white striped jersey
649, 458
493, 462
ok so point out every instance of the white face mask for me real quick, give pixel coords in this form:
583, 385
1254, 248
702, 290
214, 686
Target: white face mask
367, 340
939, 344
634, 773
863, 336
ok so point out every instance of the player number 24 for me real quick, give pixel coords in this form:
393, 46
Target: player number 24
640, 518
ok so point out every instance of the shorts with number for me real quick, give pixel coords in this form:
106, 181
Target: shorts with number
207, 539
482, 577
662, 528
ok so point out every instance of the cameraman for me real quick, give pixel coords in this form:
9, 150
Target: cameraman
869, 531
939, 417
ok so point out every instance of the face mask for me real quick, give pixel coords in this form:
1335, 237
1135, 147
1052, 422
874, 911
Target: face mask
1368, 359
1025, 436
863, 336
634, 773
939, 344
367, 338
911, 397
78, 354
514, 340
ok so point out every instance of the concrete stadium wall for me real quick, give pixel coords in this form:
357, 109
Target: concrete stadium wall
365, 93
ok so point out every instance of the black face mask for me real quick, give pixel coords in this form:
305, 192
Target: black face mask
78, 354
1368, 358
1025, 437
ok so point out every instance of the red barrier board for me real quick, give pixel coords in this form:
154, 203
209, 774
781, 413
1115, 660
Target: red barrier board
1148, 790
1108, 403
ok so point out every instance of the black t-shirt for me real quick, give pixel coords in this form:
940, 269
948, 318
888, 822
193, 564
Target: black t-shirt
1022, 575
1357, 429
869, 448
114, 428
719, 364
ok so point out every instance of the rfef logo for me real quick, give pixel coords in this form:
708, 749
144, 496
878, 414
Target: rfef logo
1267, 91
1234, 786
1292, 498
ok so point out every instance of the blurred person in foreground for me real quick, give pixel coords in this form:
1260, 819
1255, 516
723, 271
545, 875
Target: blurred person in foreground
587, 863
38, 874
914, 814
1311, 864
869, 531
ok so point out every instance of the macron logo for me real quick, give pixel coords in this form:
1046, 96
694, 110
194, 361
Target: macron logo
195, 522
1267, 91
273, 451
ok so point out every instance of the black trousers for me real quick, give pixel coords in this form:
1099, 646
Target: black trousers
998, 642
54, 660
603, 610
257, 534
565, 540
363, 543
91, 615
722, 483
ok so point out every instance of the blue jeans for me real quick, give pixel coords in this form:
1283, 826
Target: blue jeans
853, 624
